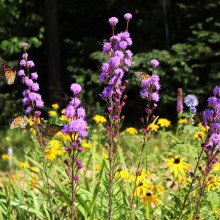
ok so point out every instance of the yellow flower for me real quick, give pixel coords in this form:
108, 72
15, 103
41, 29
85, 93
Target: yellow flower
6, 156
153, 127
213, 183
105, 155
158, 188
54, 150
85, 144
163, 122
177, 166
35, 169
196, 134
52, 113
64, 137
123, 174
182, 121
131, 130
216, 167
55, 106
151, 199
143, 188
24, 164
99, 119
64, 118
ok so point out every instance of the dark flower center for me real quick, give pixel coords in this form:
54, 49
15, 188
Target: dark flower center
148, 194
177, 160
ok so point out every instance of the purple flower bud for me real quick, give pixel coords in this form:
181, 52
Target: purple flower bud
80, 149
75, 88
25, 56
74, 144
154, 63
113, 21
67, 148
30, 64
22, 63
128, 16
34, 76
24, 44
21, 73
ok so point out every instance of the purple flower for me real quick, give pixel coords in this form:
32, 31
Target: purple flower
22, 63
35, 87
75, 88
215, 139
81, 113
25, 56
24, 45
70, 111
191, 101
29, 82
154, 63
106, 48
34, 76
105, 67
216, 91
21, 73
113, 21
128, 16
30, 64
107, 92
75, 102
123, 44
192, 110
155, 96
115, 61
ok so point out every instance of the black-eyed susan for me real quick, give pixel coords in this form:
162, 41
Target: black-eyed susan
123, 174
213, 182
177, 166
163, 122
143, 188
131, 130
150, 198
99, 119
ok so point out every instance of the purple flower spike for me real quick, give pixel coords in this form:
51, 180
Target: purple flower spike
113, 21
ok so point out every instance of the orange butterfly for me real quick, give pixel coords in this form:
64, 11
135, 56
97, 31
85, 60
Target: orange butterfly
142, 76
19, 121
10, 74
49, 129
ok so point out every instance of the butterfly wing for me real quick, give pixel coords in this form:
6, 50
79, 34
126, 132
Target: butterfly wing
142, 76
50, 129
19, 121
10, 74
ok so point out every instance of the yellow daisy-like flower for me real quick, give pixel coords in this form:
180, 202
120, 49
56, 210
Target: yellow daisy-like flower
196, 134
151, 199
86, 144
142, 188
123, 174
202, 128
131, 130
177, 166
163, 122
34, 169
64, 137
216, 167
24, 164
182, 121
153, 127
213, 183
159, 189
64, 118
99, 119
55, 106
54, 150
6, 156
52, 113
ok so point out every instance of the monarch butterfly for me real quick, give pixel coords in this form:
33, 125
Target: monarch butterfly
142, 75
10, 74
19, 121
49, 129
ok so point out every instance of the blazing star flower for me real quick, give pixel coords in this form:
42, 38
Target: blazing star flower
179, 106
31, 99
177, 166
127, 16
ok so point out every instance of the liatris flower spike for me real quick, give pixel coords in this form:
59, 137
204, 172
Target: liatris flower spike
32, 100
76, 129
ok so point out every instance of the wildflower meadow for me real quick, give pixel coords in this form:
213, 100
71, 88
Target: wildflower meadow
74, 167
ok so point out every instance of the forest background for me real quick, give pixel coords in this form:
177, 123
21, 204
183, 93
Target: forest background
66, 38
